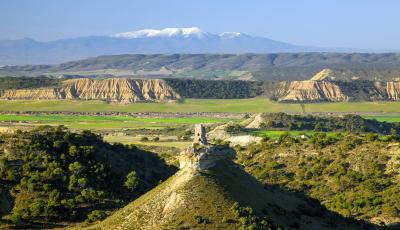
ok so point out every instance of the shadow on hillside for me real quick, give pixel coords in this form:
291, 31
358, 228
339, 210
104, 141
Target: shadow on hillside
294, 208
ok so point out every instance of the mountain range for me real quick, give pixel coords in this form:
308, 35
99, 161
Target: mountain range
260, 67
147, 41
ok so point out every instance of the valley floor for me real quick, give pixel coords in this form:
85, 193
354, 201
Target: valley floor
252, 105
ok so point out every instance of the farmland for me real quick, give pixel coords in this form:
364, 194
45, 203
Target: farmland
103, 122
15, 114
253, 105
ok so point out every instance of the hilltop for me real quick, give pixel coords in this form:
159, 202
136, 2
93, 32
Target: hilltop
210, 192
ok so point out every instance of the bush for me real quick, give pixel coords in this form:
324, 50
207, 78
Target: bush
201, 220
95, 215
131, 181
61, 175
16, 217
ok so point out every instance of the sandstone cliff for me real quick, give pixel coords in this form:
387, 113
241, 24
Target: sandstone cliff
309, 91
393, 91
116, 90
336, 86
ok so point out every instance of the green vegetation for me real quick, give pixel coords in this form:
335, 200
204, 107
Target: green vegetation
252, 105
275, 134
346, 123
217, 89
105, 122
354, 175
55, 175
189, 105
27, 82
132, 181
223, 197
382, 118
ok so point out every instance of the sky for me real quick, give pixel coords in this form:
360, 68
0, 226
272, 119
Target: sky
367, 24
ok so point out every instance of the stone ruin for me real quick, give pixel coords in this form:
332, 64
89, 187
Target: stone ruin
200, 134
203, 155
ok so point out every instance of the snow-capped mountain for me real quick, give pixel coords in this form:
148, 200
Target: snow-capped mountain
148, 41
191, 32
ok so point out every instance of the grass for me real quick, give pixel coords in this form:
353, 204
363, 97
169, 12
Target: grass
189, 105
136, 141
253, 105
275, 134
391, 118
105, 122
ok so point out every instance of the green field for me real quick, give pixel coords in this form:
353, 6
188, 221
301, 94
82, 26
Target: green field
274, 134
391, 118
254, 105
189, 105
136, 141
104, 122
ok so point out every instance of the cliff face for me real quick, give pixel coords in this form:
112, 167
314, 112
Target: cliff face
310, 90
393, 91
117, 90
328, 86
320, 91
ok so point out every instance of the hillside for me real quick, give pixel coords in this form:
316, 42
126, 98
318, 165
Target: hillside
211, 192
52, 177
347, 123
117, 90
336, 86
351, 174
325, 86
264, 67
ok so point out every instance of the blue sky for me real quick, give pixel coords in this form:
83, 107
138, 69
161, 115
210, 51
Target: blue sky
373, 24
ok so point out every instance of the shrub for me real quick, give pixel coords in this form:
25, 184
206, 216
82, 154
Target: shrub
201, 220
95, 215
131, 181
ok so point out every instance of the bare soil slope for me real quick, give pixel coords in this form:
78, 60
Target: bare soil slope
116, 90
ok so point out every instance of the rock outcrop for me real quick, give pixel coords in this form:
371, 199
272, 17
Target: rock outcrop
203, 194
202, 155
116, 90
309, 91
219, 133
393, 91
336, 86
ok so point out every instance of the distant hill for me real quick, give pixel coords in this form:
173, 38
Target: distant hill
264, 67
167, 41
129, 90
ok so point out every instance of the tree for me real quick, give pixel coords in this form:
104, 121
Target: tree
131, 181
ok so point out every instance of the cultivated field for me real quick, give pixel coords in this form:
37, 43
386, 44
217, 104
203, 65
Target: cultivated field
104, 122
111, 126
253, 105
